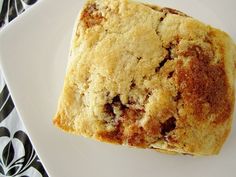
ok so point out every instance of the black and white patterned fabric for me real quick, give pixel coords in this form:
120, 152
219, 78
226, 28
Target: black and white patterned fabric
17, 155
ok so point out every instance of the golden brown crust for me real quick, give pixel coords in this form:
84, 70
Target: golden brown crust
148, 77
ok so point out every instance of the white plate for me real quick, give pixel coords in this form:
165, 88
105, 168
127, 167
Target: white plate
33, 52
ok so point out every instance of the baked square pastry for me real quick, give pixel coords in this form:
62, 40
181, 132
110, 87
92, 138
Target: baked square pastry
148, 77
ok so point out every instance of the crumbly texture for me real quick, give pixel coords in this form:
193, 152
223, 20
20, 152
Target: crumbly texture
149, 77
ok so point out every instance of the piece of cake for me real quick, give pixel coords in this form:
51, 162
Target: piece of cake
148, 77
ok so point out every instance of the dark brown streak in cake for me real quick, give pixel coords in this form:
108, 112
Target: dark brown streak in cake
168, 126
169, 56
167, 10
108, 109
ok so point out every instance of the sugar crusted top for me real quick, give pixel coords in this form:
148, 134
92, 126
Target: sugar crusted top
148, 77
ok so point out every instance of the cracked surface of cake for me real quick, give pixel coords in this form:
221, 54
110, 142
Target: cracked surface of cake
149, 77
